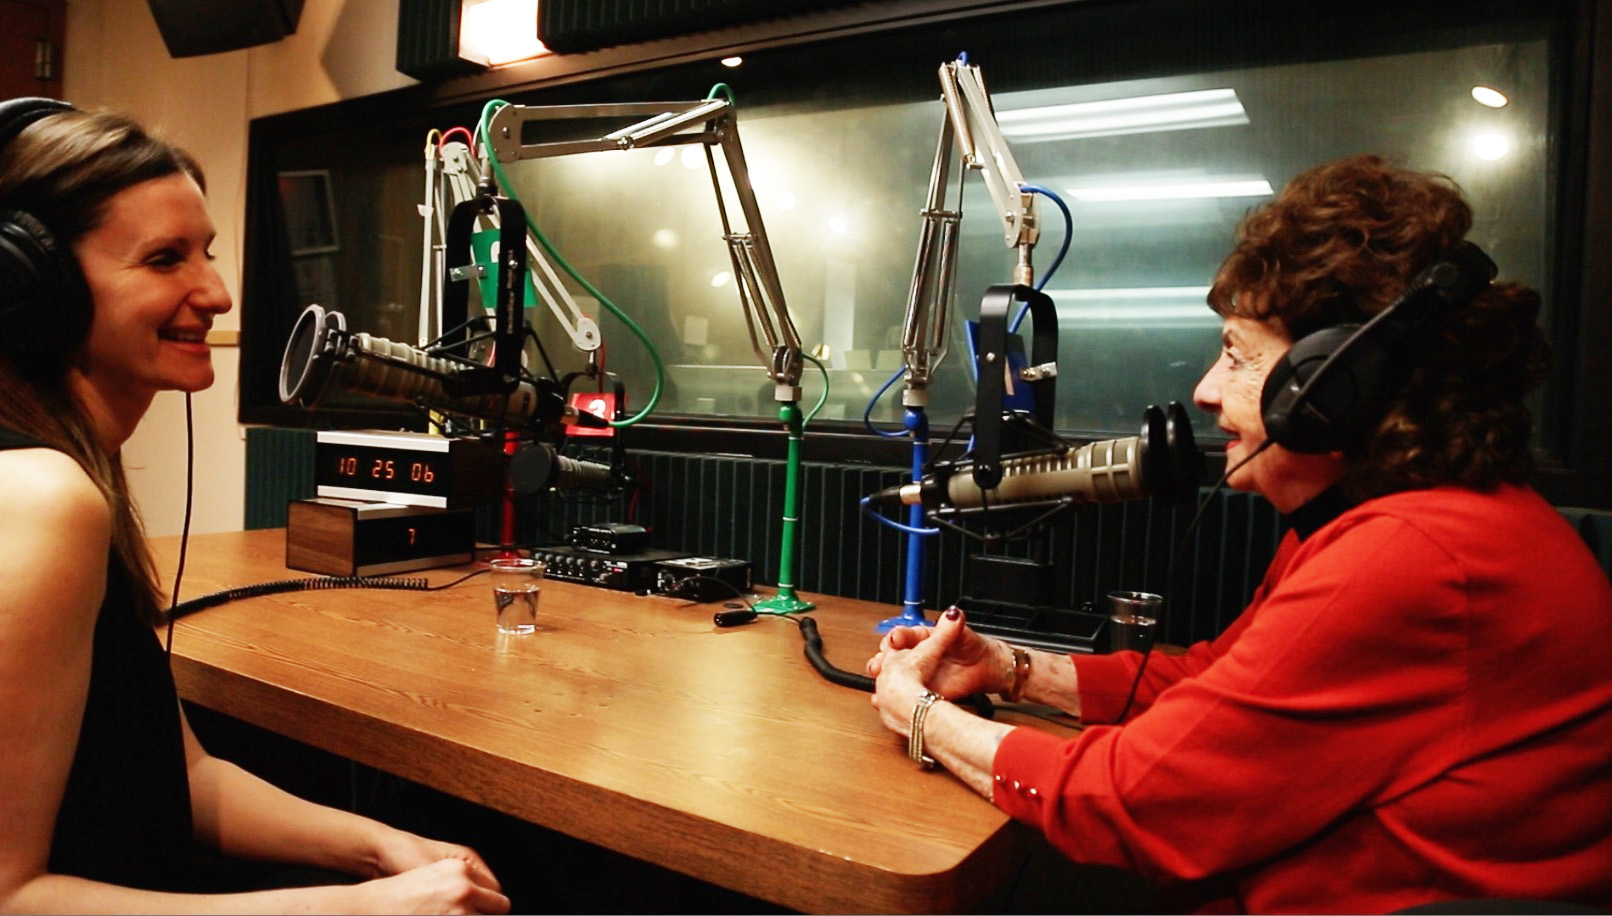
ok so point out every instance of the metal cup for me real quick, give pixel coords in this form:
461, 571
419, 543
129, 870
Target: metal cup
1132, 619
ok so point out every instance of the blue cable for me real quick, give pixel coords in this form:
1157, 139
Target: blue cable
1068, 230
922, 532
867, 415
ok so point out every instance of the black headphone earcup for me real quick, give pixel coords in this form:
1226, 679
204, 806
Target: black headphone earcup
44, 303
1341, 403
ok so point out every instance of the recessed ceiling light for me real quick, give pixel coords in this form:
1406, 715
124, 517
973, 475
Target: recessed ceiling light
732, 61
1485, 95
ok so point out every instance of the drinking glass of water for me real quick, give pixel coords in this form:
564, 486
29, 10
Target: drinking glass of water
517, 585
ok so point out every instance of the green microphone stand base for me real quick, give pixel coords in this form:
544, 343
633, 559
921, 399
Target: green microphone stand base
786, 602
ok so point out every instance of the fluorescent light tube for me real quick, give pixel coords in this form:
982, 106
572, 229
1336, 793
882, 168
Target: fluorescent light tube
1112, 117
1175, 190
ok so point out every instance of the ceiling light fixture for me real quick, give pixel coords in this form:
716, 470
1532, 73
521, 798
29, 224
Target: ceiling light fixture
1486, 95
443, 38
1491, 146
1114, 117
1174, 190
499, 31
1135, 304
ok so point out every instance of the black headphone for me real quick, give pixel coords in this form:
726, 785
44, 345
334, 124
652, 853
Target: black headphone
44, 302
1329, 389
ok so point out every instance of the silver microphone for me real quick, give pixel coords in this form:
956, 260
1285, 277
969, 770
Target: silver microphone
322, 354
1162, 462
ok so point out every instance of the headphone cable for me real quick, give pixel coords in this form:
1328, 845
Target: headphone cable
184, 533
1169, 575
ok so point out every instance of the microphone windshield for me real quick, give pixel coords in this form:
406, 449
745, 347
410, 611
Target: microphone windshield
303, 374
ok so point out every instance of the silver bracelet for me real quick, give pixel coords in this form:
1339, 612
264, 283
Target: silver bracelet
915, 738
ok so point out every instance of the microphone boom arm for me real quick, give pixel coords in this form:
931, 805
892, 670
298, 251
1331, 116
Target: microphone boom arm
710, 122
970, 123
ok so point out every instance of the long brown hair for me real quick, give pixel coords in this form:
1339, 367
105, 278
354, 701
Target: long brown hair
1338, 245
64, 169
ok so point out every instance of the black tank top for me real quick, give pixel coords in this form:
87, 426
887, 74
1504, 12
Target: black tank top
125, 817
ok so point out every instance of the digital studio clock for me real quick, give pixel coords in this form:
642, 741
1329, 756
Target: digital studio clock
411, 469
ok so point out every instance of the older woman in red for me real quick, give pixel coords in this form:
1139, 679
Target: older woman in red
1414, 707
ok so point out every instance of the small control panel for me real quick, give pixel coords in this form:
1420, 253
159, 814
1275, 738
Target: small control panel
703, 578
610, 537
627, 572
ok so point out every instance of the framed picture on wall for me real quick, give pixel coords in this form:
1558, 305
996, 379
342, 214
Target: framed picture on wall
310, 212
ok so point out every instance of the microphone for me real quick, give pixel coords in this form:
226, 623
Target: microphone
322, 354
1162, 462
538, 466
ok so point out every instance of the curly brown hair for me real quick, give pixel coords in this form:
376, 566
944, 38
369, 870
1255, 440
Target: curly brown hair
1338, 245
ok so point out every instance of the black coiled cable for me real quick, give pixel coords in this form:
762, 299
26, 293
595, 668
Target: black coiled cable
294, 585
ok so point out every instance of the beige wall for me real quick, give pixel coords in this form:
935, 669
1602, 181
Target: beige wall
115, 58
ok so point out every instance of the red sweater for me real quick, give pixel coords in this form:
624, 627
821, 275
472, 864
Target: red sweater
1416, 706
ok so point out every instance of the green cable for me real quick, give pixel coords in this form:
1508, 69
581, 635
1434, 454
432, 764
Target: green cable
725, 89
822, 400
654, 356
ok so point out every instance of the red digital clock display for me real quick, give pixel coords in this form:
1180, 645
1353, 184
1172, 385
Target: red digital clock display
390, 470
384, 470
412, 469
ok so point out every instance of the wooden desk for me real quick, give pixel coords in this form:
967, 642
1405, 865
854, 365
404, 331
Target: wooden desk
628, 722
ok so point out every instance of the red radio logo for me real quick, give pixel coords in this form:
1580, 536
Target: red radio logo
597, 403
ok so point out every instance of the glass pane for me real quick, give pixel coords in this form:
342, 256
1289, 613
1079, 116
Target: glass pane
1156, 173
1159, 136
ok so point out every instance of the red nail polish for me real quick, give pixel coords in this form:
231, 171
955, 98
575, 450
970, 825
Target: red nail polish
953, 613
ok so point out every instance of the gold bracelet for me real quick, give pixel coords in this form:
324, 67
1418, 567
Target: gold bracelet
1021, 674
915, 737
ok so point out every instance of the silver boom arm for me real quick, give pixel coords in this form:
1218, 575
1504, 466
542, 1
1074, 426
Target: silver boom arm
711, 123
970, 123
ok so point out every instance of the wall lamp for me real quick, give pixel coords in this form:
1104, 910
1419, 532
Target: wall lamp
441, 38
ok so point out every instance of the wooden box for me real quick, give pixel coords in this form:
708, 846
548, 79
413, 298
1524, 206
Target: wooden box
345, 537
